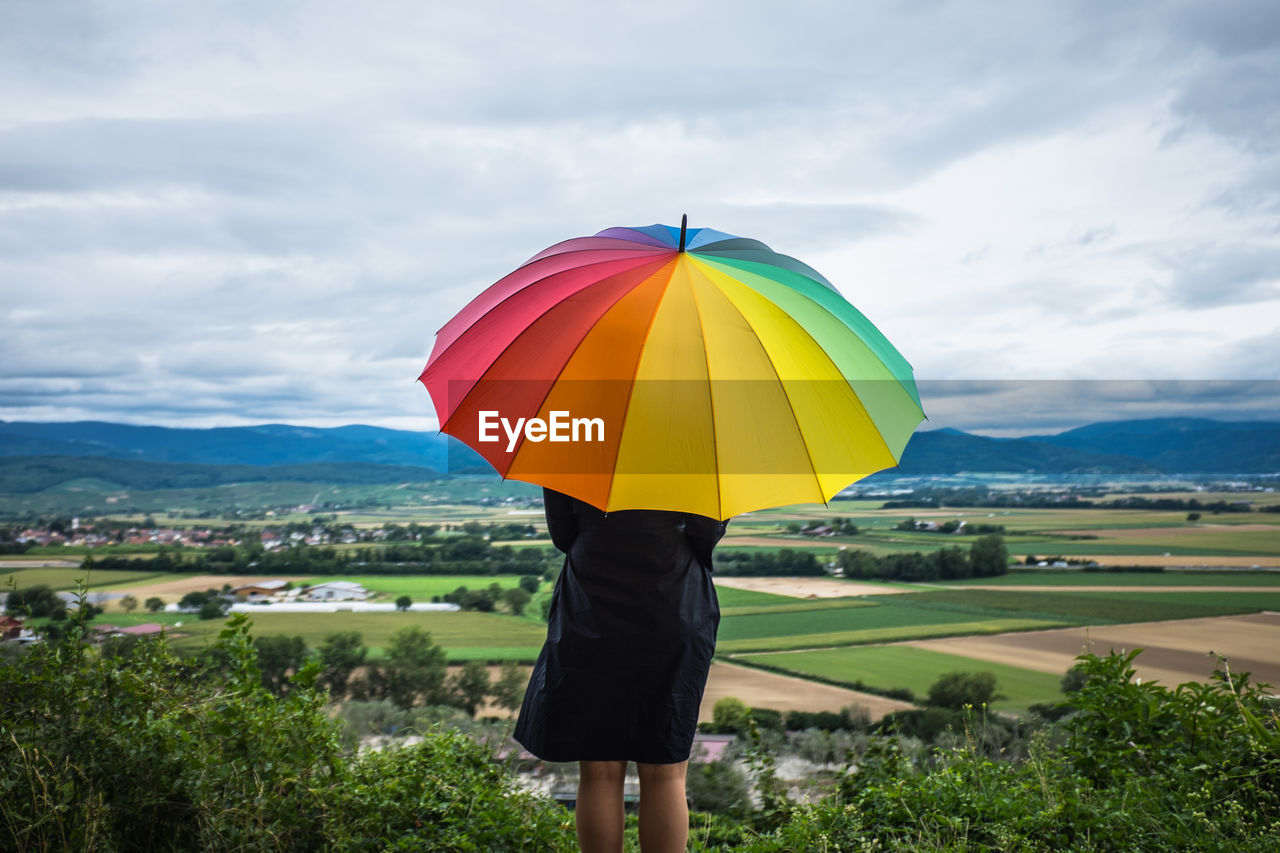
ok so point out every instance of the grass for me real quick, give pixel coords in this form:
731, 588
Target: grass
65, 579
789, 622
464, 635
1043, 577
888, 667
424, 587
732, 597
887, 634
1226, 602
1087, 607
793, 605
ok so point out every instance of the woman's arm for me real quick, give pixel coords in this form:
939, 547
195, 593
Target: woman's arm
562, 522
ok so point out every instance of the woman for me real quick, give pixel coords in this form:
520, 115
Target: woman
630, 635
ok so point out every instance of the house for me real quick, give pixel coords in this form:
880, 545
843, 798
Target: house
260, 591
708, 747
10, 627
336, 591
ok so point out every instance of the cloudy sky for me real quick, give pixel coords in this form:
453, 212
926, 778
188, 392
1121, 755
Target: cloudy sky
222, 213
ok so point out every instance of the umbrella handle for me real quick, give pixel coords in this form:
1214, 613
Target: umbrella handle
684, 225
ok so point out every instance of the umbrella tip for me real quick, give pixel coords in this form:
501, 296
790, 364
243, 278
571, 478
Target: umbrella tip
684, 226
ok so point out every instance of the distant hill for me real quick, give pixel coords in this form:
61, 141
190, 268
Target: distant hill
278, 452
1181, 445
268, 444
31, 474
947, 451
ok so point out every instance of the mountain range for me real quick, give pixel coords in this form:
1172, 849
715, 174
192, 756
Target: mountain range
35, 456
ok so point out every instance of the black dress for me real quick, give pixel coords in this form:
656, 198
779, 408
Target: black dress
630, 635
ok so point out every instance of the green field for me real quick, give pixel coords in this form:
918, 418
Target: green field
730, 597
1083, 608
799, 622
887, 667
424, 587
1046, 577
65, 579
464, 635
888, 633
793, 605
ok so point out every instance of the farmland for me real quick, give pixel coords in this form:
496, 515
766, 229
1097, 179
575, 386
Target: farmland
913, 668
465, 636
841, 631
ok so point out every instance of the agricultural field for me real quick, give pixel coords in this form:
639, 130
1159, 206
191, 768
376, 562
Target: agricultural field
761, 689
423, 587
465, 636
1172, 652
1054, 578
1074, 605
904, 666
1026, 626
66, 578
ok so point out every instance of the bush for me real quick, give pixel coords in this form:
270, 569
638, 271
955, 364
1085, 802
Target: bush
717, 787
163, 754
1135, 766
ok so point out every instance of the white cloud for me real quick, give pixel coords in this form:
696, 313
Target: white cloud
238, 212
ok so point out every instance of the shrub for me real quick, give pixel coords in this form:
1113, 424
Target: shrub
718, 787
154, 752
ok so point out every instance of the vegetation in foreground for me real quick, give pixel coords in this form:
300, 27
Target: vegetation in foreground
151, 751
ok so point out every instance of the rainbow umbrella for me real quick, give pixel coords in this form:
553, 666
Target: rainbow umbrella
672, 368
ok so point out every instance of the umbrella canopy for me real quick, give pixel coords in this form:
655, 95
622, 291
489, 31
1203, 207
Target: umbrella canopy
672, 368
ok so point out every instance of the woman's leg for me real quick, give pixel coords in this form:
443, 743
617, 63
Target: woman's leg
664, 812
598, 813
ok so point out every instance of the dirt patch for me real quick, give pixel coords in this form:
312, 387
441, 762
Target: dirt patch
1174, 652
199, 583
808, 587
760, 689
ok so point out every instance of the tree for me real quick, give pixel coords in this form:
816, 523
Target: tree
413, 671
404, 602
469, 686
154, 604
516, 598
508, 690
953, 563
729, 715
341, 654
1074, 679
989, 556
955, 690
718, 787
214, 608
530, 584
279, 655
38, 600
128, 603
